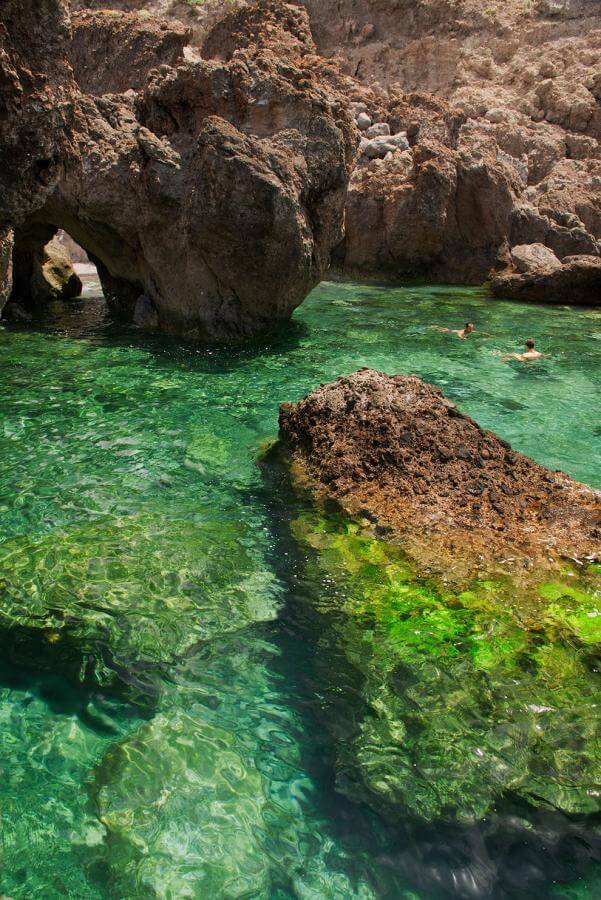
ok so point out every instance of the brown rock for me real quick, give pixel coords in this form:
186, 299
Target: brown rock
331, 435
36, 103
6, 265
114, 51
534, 258
577, 281
215, 190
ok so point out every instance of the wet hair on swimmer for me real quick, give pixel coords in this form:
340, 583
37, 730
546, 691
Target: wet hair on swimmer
530, 344
469, 324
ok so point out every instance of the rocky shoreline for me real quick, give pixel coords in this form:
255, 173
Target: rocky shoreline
230, 154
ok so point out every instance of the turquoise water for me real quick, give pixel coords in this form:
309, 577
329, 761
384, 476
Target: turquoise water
164, 682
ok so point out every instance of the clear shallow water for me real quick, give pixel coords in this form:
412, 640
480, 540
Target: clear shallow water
144, 554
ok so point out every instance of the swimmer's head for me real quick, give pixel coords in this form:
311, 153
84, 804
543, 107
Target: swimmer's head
469, 327
529, 344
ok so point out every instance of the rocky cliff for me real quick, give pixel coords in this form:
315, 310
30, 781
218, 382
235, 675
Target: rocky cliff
208, 193
201, 153
393, 449
497, 107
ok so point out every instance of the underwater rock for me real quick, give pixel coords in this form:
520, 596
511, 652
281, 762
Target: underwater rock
183, 812
214, 189
393, 446
467, 698
97, 600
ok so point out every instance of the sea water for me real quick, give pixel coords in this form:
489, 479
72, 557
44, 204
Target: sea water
166, 677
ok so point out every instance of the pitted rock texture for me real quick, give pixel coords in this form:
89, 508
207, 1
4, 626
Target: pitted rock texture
113, 52
208, 193
36, 103
392, 448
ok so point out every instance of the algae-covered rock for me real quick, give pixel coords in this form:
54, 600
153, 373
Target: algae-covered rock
130, 592
467, 697
183, 811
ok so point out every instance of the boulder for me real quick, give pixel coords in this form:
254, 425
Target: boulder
393, 446
577, 280
42, 269
379, 129
57, 275
363, 121
534, 258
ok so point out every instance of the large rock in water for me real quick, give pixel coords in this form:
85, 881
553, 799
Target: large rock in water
36, 112
393, 447
209, 194
577, 280
474, 710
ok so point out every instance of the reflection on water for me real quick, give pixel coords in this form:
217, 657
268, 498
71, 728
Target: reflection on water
184, 693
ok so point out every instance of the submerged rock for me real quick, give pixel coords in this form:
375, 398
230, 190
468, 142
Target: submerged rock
183, 811
393, 446
98, 601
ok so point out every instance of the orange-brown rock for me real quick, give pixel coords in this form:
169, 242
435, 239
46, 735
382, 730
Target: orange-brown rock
392, 448
208, 193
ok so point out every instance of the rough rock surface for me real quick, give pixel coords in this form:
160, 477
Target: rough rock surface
43, 272
6, 265
533, 258
576, 281
510, 92
208, 193
112, 52
36, 111
393, 446
496, 111
36, 107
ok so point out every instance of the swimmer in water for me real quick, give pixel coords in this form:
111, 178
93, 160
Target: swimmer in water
460, 332
529, 353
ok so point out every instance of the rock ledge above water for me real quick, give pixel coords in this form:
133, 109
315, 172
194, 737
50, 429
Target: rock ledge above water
393, 449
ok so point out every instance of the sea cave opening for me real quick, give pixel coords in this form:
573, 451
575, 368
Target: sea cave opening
49, 267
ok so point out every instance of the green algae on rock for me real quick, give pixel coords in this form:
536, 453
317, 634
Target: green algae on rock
121, 595
465, 701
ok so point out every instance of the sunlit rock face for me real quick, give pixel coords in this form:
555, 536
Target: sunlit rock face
209, 198
209, 194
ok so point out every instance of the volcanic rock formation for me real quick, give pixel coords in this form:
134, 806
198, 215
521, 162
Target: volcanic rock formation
209, 194
480, 132
393, 448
